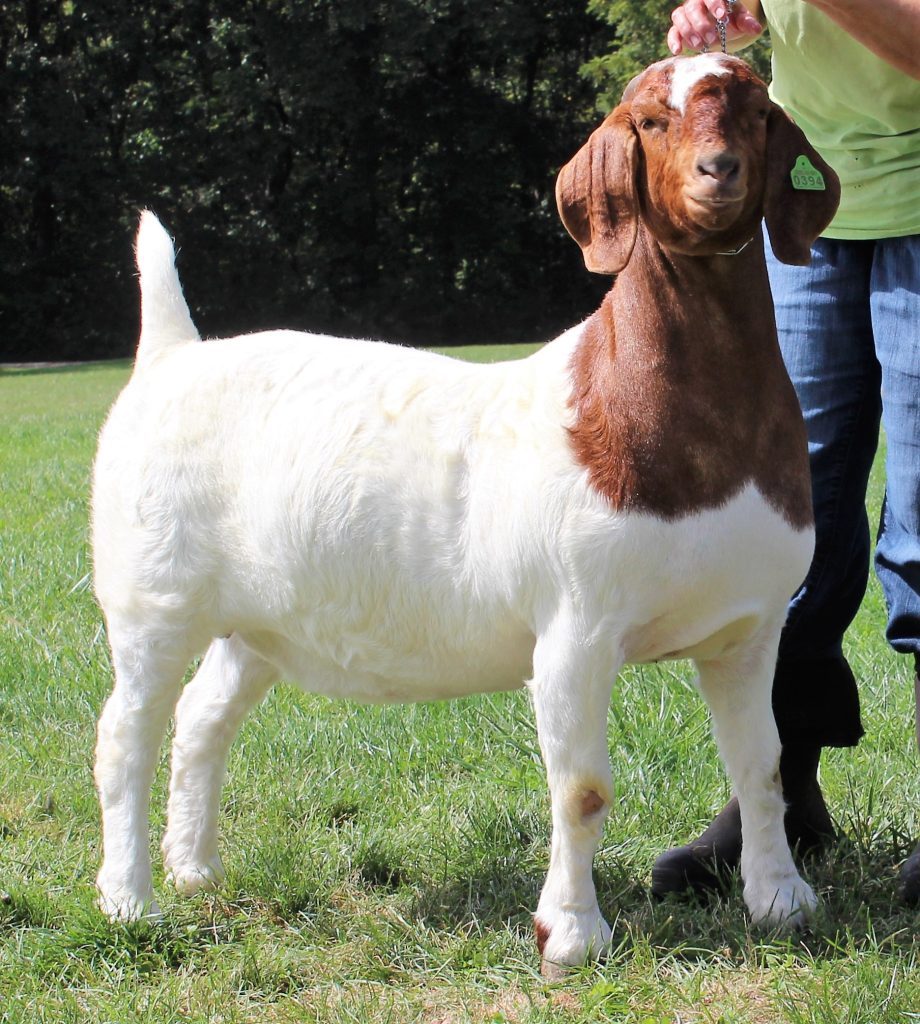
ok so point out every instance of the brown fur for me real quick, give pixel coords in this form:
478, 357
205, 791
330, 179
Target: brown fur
591, 803
542, 933
680, 395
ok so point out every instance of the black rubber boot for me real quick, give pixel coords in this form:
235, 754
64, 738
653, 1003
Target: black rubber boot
909, 880
816, 704
809, 828
704, 864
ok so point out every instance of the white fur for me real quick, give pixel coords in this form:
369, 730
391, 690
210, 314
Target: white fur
687, 71
388, 525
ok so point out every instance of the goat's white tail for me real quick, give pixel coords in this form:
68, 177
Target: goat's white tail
165, 319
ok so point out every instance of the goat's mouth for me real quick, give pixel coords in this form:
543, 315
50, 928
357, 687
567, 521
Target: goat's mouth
718, 201
715, 211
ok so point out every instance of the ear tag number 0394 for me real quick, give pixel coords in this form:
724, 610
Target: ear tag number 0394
805, 176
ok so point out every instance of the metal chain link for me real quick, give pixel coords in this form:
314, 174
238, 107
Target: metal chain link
722, 24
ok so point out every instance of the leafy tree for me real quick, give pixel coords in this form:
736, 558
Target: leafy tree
360, 166
640, 31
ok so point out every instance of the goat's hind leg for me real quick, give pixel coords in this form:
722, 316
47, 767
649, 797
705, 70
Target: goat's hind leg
230, 682
149, 666
738, 690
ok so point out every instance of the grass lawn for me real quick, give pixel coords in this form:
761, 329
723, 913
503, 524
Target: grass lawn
383, 861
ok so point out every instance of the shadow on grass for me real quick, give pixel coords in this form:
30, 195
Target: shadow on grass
91, 942
859, 910
859, 914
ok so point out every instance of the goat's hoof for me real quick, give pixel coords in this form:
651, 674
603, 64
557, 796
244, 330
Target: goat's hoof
124, 908
568, 940
191, 878
126, 899
552, 971
787, 904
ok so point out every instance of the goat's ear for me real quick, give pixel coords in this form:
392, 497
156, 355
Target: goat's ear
796, 208
596, 195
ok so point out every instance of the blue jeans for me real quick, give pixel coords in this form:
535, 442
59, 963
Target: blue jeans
849, 329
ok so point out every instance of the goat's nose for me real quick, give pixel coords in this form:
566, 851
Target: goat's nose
722, 166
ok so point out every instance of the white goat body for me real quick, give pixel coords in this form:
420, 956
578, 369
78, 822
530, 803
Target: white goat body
386, 524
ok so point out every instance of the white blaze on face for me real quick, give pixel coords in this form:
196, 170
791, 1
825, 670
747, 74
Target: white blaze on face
687, 71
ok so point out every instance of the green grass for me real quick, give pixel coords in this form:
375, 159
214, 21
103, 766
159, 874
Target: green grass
383, 861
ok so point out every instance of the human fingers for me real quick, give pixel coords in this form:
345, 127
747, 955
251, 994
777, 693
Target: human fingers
743, 23
693, 26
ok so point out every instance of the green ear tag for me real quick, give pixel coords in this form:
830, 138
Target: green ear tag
806, 176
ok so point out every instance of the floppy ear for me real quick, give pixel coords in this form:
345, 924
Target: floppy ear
596, 195
796, 208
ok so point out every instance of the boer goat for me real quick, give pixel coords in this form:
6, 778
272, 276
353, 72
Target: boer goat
383, 524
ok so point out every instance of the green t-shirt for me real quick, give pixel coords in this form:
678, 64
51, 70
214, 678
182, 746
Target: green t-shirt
861, 114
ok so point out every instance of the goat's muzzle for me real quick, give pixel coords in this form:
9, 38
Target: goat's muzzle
716, 189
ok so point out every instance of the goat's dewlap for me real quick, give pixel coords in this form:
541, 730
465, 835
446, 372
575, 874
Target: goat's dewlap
687, 71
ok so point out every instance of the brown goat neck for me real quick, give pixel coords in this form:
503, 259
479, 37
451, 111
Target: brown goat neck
680, 396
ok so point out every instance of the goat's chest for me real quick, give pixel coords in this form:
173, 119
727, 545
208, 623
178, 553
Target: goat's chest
697, 585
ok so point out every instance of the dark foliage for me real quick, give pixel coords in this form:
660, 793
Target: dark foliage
373, 167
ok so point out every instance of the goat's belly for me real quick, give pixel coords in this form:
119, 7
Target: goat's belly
383, 670
373, 612
716, 581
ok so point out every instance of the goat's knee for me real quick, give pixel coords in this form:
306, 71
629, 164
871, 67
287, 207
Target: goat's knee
592, 803
581, 806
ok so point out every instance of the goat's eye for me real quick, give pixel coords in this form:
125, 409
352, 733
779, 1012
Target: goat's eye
762, 114
648, 123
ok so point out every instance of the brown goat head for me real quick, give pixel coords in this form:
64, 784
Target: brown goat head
698, 155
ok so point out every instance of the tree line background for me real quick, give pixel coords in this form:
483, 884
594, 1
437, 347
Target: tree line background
381, 168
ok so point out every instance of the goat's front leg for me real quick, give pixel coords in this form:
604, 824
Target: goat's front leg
738, 690
571, 693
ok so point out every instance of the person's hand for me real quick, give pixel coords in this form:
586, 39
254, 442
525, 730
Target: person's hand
694, 25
